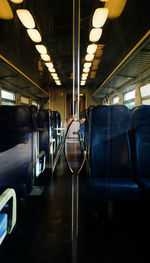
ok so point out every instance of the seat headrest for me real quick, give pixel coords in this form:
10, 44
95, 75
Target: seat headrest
15, 117
141, 117
114, 117
43, 118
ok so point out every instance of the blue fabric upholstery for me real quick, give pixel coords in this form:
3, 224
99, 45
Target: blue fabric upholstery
16, 148
3, 226
110, 156
44, 126
141, 136
56, 123
114, 189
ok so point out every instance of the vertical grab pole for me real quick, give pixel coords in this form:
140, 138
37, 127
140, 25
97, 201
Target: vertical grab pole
76, 96
76, 56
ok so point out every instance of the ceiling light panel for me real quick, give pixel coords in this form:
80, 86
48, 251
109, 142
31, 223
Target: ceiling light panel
54, 75
45, 57
99, 17
17, 1
87, 64
95, 34
26, 18
86, 70
49, 65
41, 49
83, 83
89, 57
34, 35
91, 49
52, 70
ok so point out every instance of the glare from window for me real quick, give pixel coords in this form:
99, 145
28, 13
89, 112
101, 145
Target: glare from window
34, 103
145, 91
8, 103
7, 95
115, 100
146, 102
24, 100
130, 105
129, 95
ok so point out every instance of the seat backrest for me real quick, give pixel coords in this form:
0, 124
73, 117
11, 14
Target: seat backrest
16, 148
44, 128
140, 125
110, 154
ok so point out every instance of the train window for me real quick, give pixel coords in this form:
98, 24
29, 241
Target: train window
7, 95
8, 98
129, 95
145, 94
24, 100
129, 99
146, 102
115, 100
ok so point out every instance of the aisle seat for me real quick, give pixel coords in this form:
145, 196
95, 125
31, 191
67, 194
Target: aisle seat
8, 217
16, 149
44, 129
110, 156
141, 136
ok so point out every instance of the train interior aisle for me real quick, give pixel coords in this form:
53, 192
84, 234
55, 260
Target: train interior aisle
44, 226
74, 131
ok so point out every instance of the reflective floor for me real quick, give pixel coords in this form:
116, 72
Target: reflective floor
44, 228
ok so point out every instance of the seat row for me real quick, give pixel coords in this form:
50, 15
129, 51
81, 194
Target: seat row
118, 148
25, 142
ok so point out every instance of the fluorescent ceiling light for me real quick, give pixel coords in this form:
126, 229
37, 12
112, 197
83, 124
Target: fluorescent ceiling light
58, 82
95, 34
84, 74
85, 70
89, 57
49, 65
99, 17
82, 83
5, 10
54, 75
45, 57
25, 18
91, 49
41, 49
87, 64
84, 77
17, 1
52, 70
34, 35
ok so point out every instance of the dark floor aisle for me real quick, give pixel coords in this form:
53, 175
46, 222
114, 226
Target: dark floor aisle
43, 230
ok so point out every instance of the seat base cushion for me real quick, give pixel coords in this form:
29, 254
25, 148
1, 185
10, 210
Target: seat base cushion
114, 189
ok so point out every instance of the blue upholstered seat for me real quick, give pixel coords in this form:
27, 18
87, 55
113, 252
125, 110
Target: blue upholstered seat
141, 142
114, 189
16, 149
3, 226
44, 126
110, 156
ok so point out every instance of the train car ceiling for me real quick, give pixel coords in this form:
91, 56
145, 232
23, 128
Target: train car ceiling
120, 32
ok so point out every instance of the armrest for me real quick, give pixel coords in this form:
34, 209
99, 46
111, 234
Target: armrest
41, 154
4, 198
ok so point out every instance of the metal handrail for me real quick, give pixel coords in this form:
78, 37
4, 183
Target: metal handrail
84, 159
4, 198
